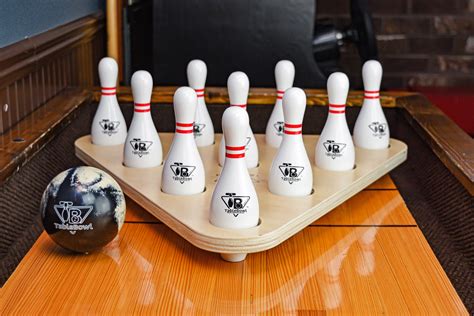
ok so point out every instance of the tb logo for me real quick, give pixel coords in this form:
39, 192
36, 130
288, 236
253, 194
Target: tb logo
72, 217
379, 129
181, 172
197, 129
290, 173
334, 149
109, 127
279, 126
235, 203
140, 147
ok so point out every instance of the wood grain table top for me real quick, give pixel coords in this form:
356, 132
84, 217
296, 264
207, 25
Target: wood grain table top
367, 256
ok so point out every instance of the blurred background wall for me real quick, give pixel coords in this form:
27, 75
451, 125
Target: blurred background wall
422, 43
25, 18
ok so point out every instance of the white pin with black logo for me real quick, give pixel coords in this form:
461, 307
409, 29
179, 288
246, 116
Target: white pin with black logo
234, 202
238, 88
183, 171
290, 173
371, 128
203, 127
142, 148
335, 149
108, 126
284, 77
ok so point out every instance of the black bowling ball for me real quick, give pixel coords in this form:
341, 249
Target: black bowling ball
83, 209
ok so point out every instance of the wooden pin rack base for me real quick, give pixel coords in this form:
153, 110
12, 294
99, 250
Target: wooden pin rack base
280, 217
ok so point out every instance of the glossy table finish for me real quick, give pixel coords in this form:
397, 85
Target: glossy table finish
367, 256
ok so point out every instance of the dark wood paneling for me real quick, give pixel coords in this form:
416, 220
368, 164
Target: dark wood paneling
450, 143
24, 139
36, 69
43, 80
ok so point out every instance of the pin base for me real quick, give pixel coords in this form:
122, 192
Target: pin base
233, 257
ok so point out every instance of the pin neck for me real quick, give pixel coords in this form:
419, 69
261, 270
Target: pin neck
108, 91
280, 94
142, 107
374, 94
337, 108
199, 92
244, 106
184, 128
235, 152
293, 129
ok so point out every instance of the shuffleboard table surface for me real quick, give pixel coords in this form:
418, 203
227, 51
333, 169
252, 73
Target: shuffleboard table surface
367, 256
366, 202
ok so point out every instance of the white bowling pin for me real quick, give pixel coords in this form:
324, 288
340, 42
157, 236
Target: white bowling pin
290, 173
183, 171
238, 88
108, 126
142, 148
234, 202
203, 127
284, 77
371, 129
335, 149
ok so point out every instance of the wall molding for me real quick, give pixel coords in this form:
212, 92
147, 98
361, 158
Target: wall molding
38, 68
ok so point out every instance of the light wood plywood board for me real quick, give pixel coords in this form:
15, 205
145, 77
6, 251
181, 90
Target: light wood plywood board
281, 217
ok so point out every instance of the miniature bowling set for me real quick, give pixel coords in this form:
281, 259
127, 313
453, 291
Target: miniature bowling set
235, 215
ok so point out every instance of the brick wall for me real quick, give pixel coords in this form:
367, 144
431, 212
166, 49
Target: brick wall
421, 42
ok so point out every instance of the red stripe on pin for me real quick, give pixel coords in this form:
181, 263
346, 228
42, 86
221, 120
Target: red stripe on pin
234, 148
142, 104
184, 131
371, 94
199, 90
241, 105
293, 125
108, 93
337, 112
280, 91
108, 88
184, 124
337, 105
292, 132
279, 98
142, 107
235, 155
